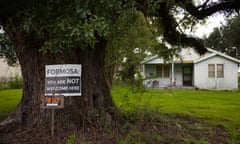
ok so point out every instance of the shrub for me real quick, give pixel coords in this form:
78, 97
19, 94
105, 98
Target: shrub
16, 82
12, 83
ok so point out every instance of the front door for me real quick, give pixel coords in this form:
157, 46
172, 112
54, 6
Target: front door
187, 75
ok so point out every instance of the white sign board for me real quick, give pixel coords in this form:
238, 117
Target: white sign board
63, 79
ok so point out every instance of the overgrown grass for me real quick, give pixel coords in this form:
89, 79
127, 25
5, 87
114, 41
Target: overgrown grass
8, 101
216, 107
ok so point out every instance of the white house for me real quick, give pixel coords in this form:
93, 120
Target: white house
7, 72
213, 70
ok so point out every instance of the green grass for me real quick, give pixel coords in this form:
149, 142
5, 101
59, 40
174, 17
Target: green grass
8, 101
214, 107
218, 107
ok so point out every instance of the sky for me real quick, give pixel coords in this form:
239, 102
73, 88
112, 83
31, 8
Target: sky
212, 21
206, 29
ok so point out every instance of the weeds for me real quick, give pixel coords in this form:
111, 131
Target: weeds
71, 139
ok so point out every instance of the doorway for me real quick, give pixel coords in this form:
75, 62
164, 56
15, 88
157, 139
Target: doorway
187, 76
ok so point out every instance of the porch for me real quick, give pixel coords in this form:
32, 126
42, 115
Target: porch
174, 75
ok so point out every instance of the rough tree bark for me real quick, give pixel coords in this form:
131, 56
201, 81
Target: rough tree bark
94, 106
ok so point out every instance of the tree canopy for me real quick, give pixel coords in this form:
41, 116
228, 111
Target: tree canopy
225, 38
99, 16
131, 41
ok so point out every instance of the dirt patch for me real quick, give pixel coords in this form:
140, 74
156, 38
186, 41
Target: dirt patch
158, 131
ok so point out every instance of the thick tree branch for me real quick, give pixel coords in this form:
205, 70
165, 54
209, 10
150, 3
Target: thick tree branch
175, 37
203, 12
200, 12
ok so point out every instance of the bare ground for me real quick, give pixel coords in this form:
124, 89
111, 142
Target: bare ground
177, 129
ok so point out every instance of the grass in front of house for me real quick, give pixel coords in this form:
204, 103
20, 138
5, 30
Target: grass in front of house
218, 107
8, 101
213, 108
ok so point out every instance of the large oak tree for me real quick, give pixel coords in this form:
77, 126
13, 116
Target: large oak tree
77, 31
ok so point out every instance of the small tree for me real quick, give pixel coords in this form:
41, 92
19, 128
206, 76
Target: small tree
129, 44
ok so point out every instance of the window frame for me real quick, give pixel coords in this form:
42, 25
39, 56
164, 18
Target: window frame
211, 72
162, 71
216, 71
220, 72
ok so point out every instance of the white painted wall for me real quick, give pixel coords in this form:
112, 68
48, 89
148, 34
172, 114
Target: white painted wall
229, 82
7, 71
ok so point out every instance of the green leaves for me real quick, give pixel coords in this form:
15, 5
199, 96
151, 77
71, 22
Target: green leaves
71, 23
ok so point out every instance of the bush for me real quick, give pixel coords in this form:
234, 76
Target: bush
12, 83
16, 82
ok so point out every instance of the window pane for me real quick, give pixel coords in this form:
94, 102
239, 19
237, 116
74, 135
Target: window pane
159, 71
220, 71
166, 71
211, 70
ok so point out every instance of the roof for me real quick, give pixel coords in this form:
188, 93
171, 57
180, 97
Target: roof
215, 53
189, 56
152, 60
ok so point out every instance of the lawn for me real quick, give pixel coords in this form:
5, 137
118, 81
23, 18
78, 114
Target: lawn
213, 108
8, 101
218, 107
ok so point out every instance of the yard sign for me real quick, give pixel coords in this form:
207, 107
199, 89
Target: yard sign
63, 79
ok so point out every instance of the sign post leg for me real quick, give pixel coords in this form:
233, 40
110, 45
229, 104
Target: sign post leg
52, 131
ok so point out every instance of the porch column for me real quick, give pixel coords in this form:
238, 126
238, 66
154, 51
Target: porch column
173, 76
143, 71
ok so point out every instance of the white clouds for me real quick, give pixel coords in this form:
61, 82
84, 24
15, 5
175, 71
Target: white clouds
203, 30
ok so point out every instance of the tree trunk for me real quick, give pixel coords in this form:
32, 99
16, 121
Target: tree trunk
95, 104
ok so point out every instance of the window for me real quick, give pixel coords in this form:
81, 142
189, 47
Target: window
166, 72
215, 70
159, 70
211, 70
220, 71
162, 71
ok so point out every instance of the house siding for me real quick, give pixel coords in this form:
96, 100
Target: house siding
228, 82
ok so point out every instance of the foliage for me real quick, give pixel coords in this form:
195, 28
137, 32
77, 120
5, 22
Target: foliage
130, 41
63, 25
6, 49
225, 38
15, 82
71, 139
